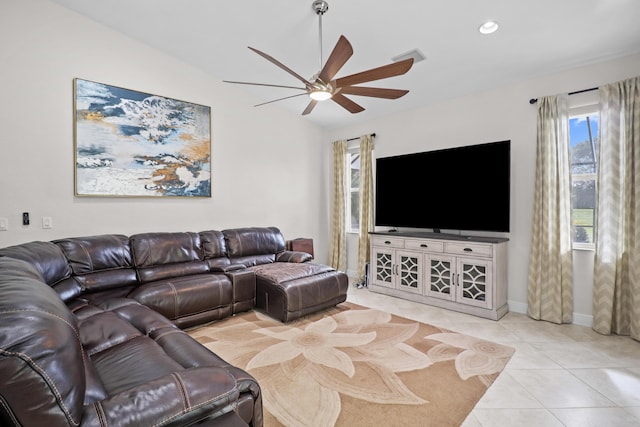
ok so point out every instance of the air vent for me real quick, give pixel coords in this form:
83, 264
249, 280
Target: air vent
414, 53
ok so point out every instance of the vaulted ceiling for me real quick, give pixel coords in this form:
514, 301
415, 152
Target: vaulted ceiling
535, 38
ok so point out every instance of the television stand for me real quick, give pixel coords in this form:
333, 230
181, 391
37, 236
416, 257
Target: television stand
462, 273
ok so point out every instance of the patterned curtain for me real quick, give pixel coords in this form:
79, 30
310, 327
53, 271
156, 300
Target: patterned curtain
338, 244
366, 203
550, 281
616, 288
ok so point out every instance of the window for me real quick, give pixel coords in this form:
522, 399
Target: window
353, 190
583, 141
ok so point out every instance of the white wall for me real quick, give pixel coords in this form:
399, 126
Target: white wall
503, 113
265, 168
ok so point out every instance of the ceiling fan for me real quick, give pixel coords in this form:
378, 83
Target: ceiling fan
324, 85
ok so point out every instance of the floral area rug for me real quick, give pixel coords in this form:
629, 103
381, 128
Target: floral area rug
356, 366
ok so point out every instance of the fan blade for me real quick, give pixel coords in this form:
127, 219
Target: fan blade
309, 107
281, 65
279, 99
339, 56
346, 103
264, 84
375, 92
389, 70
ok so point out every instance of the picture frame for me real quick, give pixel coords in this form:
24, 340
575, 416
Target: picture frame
134, 144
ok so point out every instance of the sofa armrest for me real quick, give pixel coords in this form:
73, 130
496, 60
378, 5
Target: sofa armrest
227, 268
181, 398
293, 256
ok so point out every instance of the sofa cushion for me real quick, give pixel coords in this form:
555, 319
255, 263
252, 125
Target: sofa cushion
147, 378
100, 262
281, 272
50, 262
159, 256
188, 300
122, 355
214, 249
41, 359
253, 245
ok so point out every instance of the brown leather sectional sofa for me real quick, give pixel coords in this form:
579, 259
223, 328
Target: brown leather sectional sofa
91, 328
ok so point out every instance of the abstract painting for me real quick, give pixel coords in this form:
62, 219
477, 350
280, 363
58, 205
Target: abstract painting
132, 144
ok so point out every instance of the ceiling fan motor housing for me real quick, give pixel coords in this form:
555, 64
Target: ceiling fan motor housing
320, 6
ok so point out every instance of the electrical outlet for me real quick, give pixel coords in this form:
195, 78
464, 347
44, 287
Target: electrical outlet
25, 218
4, 224
47, 222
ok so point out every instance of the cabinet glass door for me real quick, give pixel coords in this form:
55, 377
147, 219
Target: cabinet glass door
409, 271
382, 273
439, 283
474, 282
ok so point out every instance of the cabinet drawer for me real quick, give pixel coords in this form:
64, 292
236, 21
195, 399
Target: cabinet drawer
424, 245
387, 242
476, 249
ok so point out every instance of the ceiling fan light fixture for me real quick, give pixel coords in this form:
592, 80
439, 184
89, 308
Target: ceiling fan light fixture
488, 27
320, 94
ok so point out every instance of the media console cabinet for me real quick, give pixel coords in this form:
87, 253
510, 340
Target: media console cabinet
462, 273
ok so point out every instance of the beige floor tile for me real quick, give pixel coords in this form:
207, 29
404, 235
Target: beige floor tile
493, 331
559, 375
557, 388
471, 421
527, 356
621, 386
596, 417
516, 418
507, 393
635, 411
574, 355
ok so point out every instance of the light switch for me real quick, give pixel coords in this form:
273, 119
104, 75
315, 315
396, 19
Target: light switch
47, 222
4, 224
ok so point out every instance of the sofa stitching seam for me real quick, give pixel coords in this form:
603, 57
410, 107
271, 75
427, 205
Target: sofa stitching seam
50, 382
183, 391
102, 416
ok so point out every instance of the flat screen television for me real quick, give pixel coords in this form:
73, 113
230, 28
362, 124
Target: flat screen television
462, 188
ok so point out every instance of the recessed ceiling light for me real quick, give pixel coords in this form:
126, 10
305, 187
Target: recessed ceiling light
488, 27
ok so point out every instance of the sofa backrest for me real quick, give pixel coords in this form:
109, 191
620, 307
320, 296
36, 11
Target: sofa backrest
100, 263
42, 364
254, 245
49, 261
164, 255
214, 248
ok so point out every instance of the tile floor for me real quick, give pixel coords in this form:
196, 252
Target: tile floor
560, 375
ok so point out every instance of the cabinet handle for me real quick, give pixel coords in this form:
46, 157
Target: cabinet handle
424, 245
468, 250
387, 242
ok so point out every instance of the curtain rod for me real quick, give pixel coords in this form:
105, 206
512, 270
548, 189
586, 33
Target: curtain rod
353, 139
534, 100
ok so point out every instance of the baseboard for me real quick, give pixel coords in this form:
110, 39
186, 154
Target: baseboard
582, 320
517, 307
578, 319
